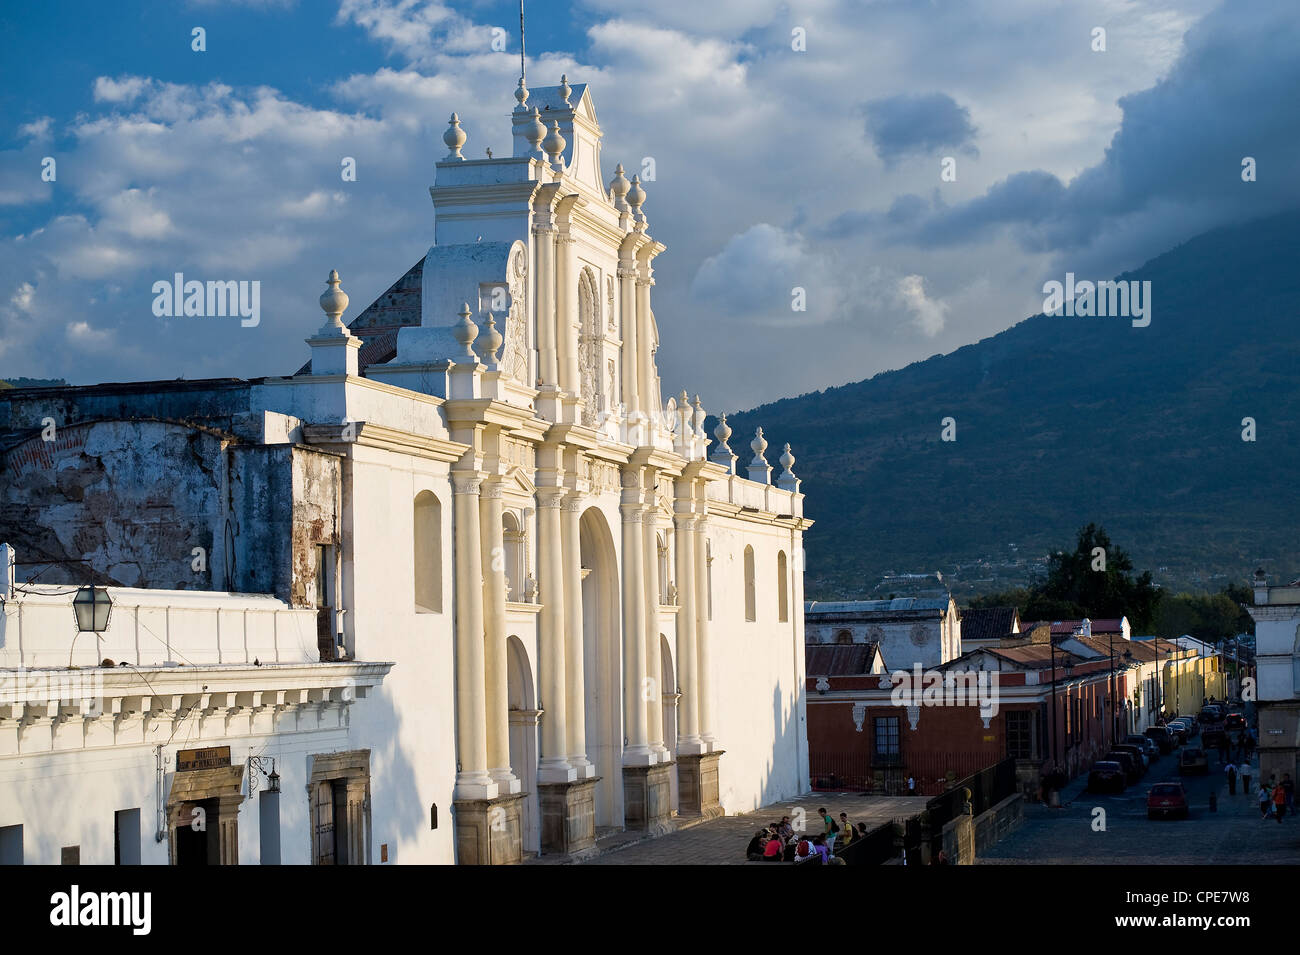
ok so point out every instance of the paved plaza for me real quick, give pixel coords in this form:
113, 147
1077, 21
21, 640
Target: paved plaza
722, 841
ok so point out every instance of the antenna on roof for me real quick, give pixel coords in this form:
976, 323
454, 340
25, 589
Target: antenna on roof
521, 41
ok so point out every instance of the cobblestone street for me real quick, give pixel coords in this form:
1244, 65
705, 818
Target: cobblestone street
1234, 835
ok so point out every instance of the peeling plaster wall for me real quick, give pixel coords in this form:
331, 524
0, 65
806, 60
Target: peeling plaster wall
284, 501
134, 498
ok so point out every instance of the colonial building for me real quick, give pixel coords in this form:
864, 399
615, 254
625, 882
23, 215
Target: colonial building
925, 630
563, 612
1277, 667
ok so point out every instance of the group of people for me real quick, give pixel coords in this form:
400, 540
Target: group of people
1240, 745
1276, 799
778, 842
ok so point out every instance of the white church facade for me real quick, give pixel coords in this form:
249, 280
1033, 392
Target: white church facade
467, 582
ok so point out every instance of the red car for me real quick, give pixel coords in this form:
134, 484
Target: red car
1167, 799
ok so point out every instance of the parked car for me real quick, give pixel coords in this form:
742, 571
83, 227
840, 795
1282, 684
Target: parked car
1148, 745
1137, 752
1132, 769
1211, 713
1167, 799
1193, 760
1106, 776
1193, 727
1234, 722
1182, 729
1163, 737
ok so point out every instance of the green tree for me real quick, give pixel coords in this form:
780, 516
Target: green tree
1097, 579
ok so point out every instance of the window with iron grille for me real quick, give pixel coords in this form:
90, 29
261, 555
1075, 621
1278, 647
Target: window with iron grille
1020, 740
888, 751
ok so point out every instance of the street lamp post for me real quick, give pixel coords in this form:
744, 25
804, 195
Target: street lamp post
1110, 645
1051, 643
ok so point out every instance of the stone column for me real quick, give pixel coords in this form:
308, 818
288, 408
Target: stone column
636, 750
703, 675
548, 364
688, 734
628, 325
472, 778
566, 311
653, 693
553, 766
644, 344
494, 640
574, 652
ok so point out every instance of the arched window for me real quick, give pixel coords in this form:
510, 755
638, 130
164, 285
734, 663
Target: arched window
843, 637
512, 537
750, 611
782, 597
427, 560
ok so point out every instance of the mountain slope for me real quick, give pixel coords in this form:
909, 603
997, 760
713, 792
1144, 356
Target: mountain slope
1061, 421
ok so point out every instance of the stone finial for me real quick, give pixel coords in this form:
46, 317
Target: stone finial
455, 138
759, 470
465, 331
554, 144
535, 132
636, 195
700, 415
618, 187
489, 340
787, 481
565, 89
723, 433
521, 96
334, 301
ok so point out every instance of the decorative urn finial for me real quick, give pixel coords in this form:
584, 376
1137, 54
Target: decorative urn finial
565, 89
554, 144
636, 195
521, 95
489, 340
454, 137
722, 432
758, 446
787, 460
465, 331
618, 187
334, 301
535, 132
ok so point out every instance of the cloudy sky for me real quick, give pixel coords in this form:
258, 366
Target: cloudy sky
776, 167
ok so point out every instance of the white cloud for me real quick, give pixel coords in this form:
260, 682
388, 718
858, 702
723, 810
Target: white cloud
36, 129
928, 314
22, 297
123, 90
756, 146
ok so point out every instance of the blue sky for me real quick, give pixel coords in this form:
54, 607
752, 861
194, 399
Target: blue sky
775, 167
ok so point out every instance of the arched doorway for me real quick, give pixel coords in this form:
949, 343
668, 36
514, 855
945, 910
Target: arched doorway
668, 700
523, 737
603, 664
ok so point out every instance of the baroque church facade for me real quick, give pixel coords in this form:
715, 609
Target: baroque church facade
537, 594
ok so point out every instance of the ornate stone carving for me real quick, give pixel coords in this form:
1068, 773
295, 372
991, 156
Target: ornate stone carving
515, 359
859, 714
589, 345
